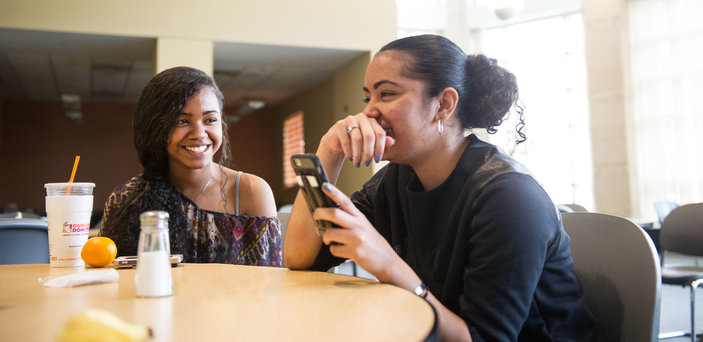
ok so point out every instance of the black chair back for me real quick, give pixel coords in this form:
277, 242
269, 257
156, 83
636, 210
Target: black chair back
682, 230
23, 241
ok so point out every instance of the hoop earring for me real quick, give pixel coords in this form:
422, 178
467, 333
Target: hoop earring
440, 124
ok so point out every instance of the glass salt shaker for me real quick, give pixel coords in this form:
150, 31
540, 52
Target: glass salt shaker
153, 275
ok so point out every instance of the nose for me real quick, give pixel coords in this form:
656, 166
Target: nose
371, 111
197, 130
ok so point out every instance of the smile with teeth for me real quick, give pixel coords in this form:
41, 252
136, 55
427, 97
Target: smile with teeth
197, 149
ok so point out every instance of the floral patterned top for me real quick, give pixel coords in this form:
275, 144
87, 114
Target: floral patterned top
221, 237
233, 239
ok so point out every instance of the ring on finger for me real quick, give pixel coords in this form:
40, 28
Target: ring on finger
351, 128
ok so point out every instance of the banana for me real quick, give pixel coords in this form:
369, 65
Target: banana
96, 325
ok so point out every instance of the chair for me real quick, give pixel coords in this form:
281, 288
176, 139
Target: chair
682, 232
283, 217
571, 208
663, 208
23, 241
563, 208
618, 269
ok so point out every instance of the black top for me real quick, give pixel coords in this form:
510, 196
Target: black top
488, 243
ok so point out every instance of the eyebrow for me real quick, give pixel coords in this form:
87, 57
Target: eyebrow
204, 113
379, 83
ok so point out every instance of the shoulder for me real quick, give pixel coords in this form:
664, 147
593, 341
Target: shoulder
128, 185
506, 194
483, 162
255, 194
122, 190
515, 187
520, 204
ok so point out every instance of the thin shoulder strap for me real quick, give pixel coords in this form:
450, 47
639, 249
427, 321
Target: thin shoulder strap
236, 196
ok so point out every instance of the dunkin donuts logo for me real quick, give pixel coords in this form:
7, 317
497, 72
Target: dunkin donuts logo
75, 227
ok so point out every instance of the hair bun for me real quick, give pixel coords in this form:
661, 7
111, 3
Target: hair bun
490, 92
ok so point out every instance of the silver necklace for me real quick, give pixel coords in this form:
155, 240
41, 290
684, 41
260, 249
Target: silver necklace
205, 187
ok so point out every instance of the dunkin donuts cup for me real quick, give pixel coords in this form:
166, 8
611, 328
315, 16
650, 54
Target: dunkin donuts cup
68, 210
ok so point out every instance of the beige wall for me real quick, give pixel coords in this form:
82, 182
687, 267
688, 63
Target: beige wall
173, 52
605, 29
322, 106
354, 25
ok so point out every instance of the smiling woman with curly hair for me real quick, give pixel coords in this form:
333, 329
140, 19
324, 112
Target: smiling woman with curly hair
216, 214
451, 218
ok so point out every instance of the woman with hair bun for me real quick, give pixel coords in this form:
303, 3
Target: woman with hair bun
451, 218
216, 214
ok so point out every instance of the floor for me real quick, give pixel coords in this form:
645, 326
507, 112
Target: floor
674, 299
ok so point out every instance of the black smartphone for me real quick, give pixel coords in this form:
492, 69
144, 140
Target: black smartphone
131, 261
311, 175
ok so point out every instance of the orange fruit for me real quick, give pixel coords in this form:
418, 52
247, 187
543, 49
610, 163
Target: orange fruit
99, 251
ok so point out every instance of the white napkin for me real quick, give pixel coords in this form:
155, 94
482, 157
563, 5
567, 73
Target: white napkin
84, 278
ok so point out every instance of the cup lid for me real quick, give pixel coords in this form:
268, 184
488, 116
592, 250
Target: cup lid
65, 184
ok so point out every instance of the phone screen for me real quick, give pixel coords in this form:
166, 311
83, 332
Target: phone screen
311, 175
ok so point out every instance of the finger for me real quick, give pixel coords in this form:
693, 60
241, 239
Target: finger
336, 236
348, 131
368, 134
390, 141
358, 132
344, 137
335, 215
355, 141
340, 198
380, 143
340, 250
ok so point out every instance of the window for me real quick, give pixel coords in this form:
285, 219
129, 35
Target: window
545, 51
666, 75
548, 60
293, 143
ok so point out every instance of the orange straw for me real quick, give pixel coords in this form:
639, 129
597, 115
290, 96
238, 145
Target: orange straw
73, 174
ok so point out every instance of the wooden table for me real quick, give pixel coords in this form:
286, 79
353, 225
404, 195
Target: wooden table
217, 302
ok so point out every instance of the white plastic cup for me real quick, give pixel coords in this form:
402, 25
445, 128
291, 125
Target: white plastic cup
68, 215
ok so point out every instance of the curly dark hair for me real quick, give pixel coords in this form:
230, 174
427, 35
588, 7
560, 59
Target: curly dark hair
486, 90
159, 106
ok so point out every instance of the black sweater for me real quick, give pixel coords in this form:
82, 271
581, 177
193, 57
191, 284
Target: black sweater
488, 243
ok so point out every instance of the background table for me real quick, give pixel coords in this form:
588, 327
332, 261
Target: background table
216, 302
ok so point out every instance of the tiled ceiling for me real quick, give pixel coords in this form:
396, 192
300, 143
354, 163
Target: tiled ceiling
39, 65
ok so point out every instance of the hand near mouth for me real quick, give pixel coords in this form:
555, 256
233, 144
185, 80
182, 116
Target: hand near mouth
359, 138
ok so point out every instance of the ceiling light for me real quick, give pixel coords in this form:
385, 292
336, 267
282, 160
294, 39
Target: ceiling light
72, 105
256, 104
250, 106
506, 9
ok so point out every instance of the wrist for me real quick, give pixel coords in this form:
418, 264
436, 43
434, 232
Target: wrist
399, 273
391, 272
331, 161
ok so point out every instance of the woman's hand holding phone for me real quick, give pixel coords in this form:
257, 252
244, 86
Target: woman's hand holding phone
356, 238
311, 175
